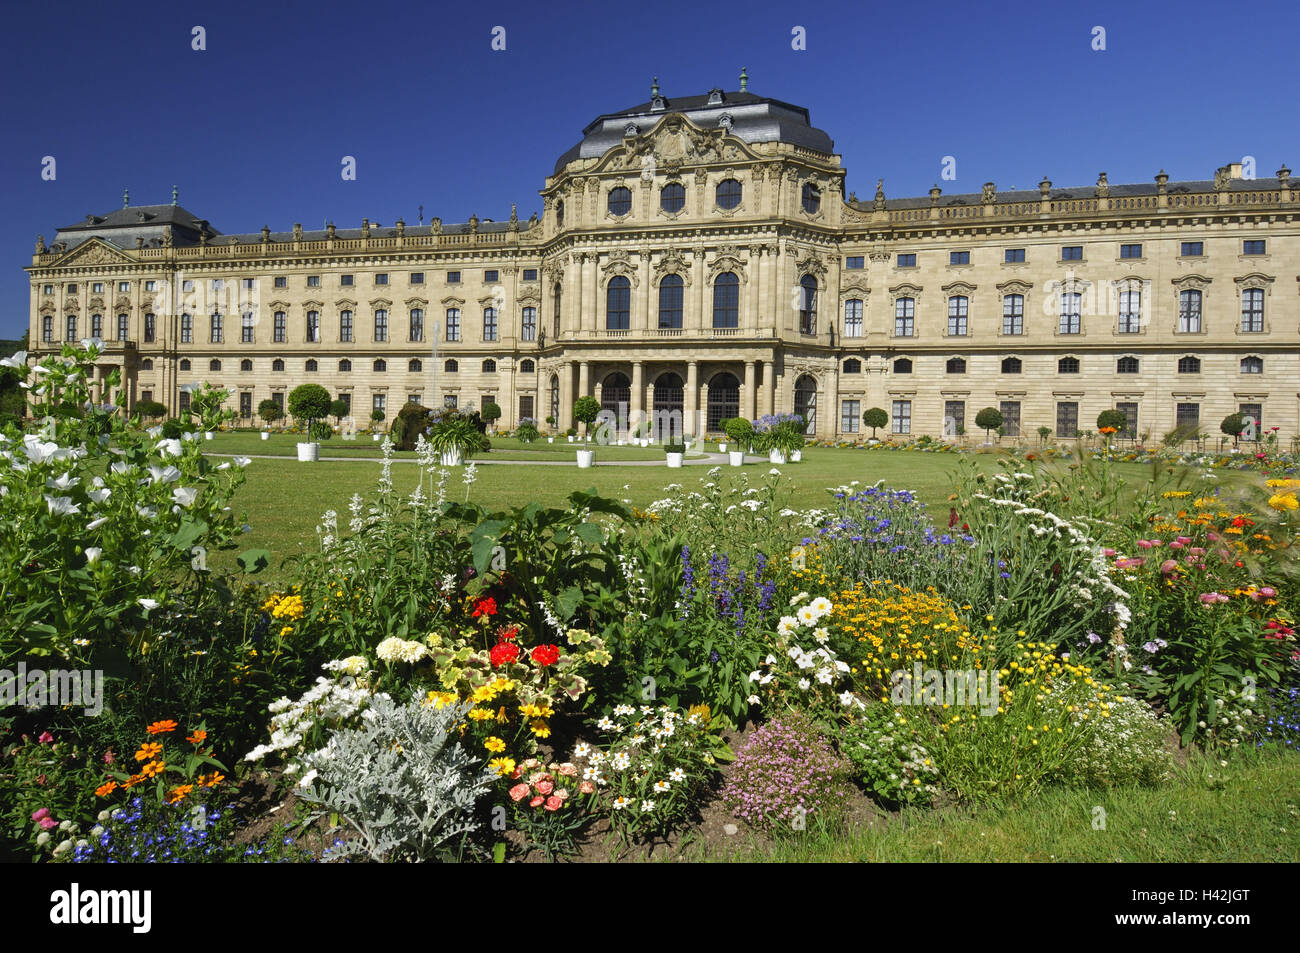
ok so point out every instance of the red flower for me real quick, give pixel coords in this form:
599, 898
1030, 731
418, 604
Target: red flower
503, 653
545, 655
952, 517
45, 738
485, 606
507, 633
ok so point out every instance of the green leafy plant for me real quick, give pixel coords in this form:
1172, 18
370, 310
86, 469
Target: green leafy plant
875, 418
990, 418
309, 402
270, 411
585, 411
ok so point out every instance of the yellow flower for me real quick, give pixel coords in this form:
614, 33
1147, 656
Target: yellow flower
495, 745
1284, 501
481, 714
439, 699
540, 728
502, 766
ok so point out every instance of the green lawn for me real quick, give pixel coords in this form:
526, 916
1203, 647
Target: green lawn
1248, 811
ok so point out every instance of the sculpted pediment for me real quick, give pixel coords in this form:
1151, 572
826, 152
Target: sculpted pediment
94, 251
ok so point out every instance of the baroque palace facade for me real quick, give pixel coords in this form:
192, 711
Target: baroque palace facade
699, 255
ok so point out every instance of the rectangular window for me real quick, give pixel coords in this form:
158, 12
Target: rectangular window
123, 323
381, 278
247, 283
853, 318
218, 284
901, 419
1192, 249
187, 329
954, 417
381, 325
1013, 314
379, 402
47, 328
345, 281
313, 281
530, 274
854, 263
345, 326
313, 326
414, 398
184, 401
959, 258
453, 277
850, 415
528, 325
526, 407
1010, 417
450, 400
71, 329
1252, 310
1253, 422
490, 276
1130, 312
278, 397
1071, 305
246, 328
1067, 418
216, 330
1253, 247
417, 277
280, 328
1015, 255
97, 287
123, 286
97, 326
1130, 412
245, 404
904, 317
149, 285
1072, 253
489, 324
281, 281
347, 399
146, 395
1189, 312
957, 314
187, 284
907, 261
453, 324
1130, 251
1188, 416
417, 324
47, 289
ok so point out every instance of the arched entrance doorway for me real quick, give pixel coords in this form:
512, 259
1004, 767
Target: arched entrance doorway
667, 409
616, 397
724, 400
805, 402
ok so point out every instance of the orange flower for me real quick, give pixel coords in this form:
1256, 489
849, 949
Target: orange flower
211, 780
198, 737
132, 781
152, 768
158, 727
148, 751
178, 793
105, 789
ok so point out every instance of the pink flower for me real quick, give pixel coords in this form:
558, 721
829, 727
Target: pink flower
1108, 552
568, 769
1131, 563
108, 756
519, 792
1209, 598
48, 823
544, 787
41, 814
586, 787
553, 803
1145, 544
1184, 539
45, 738
1168, 566
1175, 545
536, 802
1268, 592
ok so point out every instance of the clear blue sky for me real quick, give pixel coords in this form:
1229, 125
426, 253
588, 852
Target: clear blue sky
253, 129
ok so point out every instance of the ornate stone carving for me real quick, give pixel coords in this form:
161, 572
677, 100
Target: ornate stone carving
93, 252
1191, 282
811, 265
1014, 287
958, 288
40, 244
1103, 187
1255, 280
989, 194
297, 231
672, 264
879, 203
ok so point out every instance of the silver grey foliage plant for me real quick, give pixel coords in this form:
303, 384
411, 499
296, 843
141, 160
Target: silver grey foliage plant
398, 782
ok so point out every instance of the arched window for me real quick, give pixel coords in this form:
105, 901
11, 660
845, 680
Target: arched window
812, 198
557, 297
904, 317
489, 366
277, 364
853, 318
345, 326
620, 201
528, 324
279, 328
489, 324
526, 366
450, 367
214, 365
726, 301
1067, 365
958, 310
246, 364
1252, 365
618, 304
380, 366
146, 364
381, 325
805, 402
313, 326
345, 365
1127, 365
903, 365
853, 366
616, 398
672, 197
1011, 365
728, 193
671, 295
185, 363
724, 400
1189, 312
417, 324
1189, 365
1013, 314
414, 366
311, 365
956, 365
808, 305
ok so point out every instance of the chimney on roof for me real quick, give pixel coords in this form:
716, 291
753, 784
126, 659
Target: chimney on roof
1234, 170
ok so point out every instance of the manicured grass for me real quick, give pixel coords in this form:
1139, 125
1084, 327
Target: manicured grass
1246, 812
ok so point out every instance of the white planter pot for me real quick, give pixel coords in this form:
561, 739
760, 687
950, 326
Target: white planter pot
796, 456
307, 452
737, 457
570, 439
586, 458
675, 461
207, 435
722, 448
550, 440
622, 443
776, 456
451, 458
375, 437
265, 435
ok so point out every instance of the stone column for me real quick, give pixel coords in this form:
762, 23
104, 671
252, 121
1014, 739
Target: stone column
768, 405
747, 398
565, 420
699, 321
584, 378
587, 318
702, 417
690, 400
635, 403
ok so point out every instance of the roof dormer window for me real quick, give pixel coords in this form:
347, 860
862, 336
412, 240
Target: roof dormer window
715, 97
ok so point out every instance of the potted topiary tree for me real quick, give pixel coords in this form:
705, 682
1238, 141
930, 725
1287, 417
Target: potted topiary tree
675, 453
309, 402
585, 411
740, 432
490, 414
990, 418
1232, 426
1111, 422
270, 412
376, 417
875, 418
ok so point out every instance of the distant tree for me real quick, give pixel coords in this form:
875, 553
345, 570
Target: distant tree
339, 409
990, 418
150, 409
875, 418
269, 411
